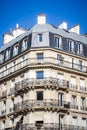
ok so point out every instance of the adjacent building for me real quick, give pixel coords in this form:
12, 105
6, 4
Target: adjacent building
43, 78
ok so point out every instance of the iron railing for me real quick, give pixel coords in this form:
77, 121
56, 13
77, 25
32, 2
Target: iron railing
46, 60
74, 106
51, 126
47, 103
83, 108
47, 126
42, 82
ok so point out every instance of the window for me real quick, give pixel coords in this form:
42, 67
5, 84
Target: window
71, 45
13, 66
79, 48
60, 99
84, 123
40, 74
15, 49
60, 59
74, 102
39, 56
39, 95
40, 37
7, 54
58, 41
12, 122
12, 86
71, 60
6, 70
21, 98
1, 73
23, 61
1, 57
83, 103
73, 83
60, 77
4, 86
4, 107
12, 103
74, 123
82, 84
61, 121
80, 65
39, 123
3, 124
24, 44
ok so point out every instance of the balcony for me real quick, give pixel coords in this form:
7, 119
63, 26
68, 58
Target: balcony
3, 112
46, 61
44, 104
51, 126
4, 94
73, 86
74, 107
84, 108
83, 89
52, 82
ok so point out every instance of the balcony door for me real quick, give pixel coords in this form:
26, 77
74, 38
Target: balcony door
61, 122
60, 99
39, 125
75, 123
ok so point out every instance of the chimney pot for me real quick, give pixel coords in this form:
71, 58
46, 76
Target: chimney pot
41, 19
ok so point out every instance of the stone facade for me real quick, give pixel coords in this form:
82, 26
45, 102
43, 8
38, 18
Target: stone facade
43, 86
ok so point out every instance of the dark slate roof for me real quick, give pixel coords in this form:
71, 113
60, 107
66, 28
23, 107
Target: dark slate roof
47, 28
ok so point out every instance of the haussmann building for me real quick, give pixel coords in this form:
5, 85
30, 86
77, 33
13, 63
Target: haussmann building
43, 78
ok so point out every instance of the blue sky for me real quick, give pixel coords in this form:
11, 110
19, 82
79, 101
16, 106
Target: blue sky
25, 13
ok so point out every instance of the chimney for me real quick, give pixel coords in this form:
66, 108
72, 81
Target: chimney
7, 37
75, 29
17, 25
41, 19
63, 25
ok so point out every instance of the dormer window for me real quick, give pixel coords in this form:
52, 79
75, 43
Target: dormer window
58, 41
7, 54
1, 57
15, 49
71, 46
79, 48
24, 44
40, 37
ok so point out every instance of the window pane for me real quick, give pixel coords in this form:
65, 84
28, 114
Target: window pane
15, 49
40, 75
40, 37
40, 95
40, 56
24, 44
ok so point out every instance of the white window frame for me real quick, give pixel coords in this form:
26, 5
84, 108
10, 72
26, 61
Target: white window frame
15, 49
24, 44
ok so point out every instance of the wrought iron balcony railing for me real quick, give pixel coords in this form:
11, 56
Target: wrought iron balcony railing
74, 106
46, 60
83, 108
51, 126
42, 82
83, 89
47, 126
34, 104
73, 86
3, 112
